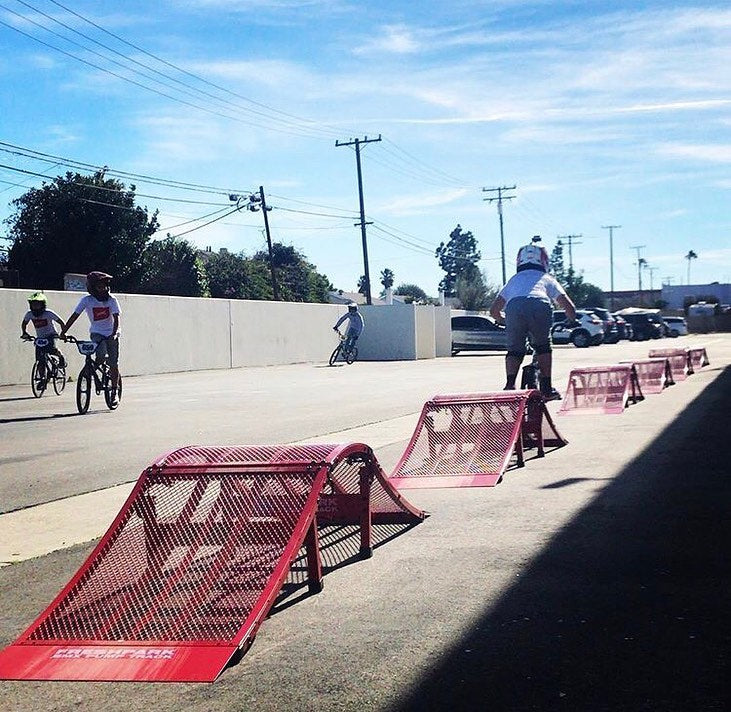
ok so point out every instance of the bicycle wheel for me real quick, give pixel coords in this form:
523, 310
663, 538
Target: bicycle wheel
83, 390
112, 394
351, 355
335, 354
37, 384
58, 375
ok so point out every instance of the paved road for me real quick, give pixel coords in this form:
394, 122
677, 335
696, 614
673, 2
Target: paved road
591, 579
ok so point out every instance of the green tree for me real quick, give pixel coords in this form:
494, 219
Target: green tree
416, 293
79, 223
172, 266
297, 279
233, 276
458, 258
387, 276
474, 292
362, 285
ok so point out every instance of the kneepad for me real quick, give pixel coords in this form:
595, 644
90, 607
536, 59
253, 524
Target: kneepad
543, 348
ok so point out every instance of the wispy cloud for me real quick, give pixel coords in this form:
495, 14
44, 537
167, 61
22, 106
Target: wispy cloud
420, 203
709, 153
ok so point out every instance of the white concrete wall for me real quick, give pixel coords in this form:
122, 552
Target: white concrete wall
389, 333
425, 336
165, 334
442, 331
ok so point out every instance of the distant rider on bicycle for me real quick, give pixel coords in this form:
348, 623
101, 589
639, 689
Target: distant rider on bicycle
355, 326
43, 318
103, 312
526, 299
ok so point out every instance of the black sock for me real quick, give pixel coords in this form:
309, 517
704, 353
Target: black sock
510, 382
545, 384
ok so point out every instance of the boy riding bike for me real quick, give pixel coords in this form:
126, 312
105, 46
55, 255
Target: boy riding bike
103, 312
355, 325
43, 318
526, 299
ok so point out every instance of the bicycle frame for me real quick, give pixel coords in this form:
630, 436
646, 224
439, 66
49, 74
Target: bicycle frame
49, 365
96, 371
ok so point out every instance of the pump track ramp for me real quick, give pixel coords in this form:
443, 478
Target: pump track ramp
178, 586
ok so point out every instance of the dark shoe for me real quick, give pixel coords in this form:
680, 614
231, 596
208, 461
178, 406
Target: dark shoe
61, 362
551, 395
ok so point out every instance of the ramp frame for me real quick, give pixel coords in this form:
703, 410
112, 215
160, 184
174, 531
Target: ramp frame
468, 439
680, 361
654, 374
601, 389
189, 569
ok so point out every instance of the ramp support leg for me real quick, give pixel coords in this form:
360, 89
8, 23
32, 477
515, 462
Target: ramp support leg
366, 546
314, 563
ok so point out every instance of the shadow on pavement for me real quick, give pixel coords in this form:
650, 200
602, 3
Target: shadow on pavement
627, 607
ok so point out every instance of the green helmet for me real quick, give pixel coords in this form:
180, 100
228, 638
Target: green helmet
38, 297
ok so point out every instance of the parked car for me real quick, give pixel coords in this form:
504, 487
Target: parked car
624, 328
676, 326
589, 331
611, 332
645, 325
477, 333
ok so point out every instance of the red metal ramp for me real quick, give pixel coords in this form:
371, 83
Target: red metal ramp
679, 361
653, 374
189, 569
467, 440
698, 357
601, 389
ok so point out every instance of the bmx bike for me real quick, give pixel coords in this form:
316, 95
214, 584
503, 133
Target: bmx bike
46, 369
346, 350
96, 372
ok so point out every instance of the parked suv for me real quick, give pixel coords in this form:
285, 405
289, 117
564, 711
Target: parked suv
645, 325
611, 330
676, 326
588, 332
624, 328
477, 333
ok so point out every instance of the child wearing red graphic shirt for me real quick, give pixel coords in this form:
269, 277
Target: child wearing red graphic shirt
103, 312
42, 318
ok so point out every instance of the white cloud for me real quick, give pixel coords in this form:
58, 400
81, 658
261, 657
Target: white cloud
421, 203
708, 153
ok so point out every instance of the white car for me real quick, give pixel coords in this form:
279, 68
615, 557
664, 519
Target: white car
477, 333
588, 332
676, 326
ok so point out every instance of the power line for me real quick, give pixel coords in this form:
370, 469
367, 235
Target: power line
499, 199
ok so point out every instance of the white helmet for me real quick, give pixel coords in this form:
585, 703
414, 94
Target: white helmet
353, 307
533, 256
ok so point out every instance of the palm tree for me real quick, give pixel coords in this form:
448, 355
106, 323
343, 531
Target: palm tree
690, 256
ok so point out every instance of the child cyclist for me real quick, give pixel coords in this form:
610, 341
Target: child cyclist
355, 325
526, 299
42, 318
103, 312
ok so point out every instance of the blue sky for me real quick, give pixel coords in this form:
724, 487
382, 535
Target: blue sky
600, 113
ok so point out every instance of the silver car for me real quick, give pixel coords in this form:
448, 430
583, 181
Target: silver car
477, 333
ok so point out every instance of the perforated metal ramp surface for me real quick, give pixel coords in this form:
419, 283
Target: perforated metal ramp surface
654, 374
468, 439
601, 389
680, 361
196, 557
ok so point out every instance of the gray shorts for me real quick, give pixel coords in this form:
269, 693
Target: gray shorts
526, 316
107, 347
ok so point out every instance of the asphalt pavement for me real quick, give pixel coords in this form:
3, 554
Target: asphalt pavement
595, 578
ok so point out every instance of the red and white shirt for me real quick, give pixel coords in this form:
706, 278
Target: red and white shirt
101, 314
43, 323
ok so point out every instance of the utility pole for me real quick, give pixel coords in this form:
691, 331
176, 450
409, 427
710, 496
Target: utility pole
258, 202
357, 143
499, 199
641, 262
611, 229
652, 270
572, 241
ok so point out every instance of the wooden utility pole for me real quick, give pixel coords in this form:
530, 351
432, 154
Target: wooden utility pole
265, 209
357, 143
572, 241
499, 199
641, 262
